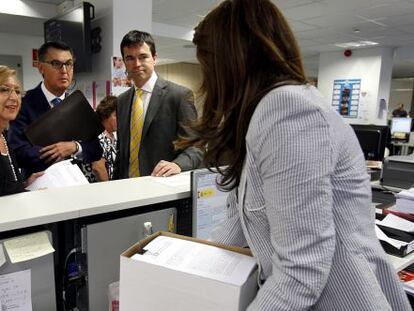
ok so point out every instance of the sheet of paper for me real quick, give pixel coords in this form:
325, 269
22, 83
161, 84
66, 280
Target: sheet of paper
406, 194
2, 257
16, 291
198, 259
383, 237
399, 223
27, 247
180, 180
60, 174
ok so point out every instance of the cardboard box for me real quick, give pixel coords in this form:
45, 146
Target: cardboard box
147, 286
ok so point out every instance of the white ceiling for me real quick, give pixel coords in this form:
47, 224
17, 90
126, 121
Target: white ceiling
318, 25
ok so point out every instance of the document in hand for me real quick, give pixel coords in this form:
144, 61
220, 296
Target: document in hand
73, 119
60, 174
173, 272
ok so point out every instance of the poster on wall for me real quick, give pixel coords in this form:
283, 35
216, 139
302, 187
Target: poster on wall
346, 96
119, 78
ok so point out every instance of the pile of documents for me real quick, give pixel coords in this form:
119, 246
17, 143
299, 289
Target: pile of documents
405, 201
396, 234
171, 272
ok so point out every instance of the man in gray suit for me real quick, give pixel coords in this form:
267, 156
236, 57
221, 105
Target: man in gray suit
151, 116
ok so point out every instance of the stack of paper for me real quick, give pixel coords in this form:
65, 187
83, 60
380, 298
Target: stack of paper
396, 234
198, 259
60, 174
405, 201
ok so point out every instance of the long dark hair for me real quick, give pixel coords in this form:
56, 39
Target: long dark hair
245, 48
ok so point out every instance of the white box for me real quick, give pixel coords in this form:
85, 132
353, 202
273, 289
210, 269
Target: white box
146, 286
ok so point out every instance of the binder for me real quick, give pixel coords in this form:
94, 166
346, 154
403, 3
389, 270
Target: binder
73, 119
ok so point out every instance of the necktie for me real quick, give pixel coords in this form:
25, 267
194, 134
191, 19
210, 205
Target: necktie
56, 101
136, 125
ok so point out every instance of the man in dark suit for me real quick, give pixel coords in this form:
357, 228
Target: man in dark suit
56, 62
145, 138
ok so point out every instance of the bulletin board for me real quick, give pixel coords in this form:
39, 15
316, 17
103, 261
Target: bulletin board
346, 97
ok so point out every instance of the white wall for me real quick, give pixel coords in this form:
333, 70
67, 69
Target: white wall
372, 66
12, 44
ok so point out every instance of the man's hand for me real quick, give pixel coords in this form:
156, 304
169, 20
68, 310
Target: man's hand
58, 152
165, 168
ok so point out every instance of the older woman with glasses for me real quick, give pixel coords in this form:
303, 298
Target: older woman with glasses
10, 102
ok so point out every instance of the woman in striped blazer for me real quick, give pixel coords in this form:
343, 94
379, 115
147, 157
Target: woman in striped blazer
300, 195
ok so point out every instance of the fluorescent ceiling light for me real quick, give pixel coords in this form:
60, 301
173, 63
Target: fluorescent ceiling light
402, 90
356, 44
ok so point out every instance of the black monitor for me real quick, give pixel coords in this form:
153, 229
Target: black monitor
373, 140
74, 28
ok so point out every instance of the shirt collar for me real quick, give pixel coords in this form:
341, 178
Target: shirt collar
148, 87
49, 95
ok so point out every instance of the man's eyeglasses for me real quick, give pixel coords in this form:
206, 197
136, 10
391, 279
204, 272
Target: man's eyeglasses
5, 90
59, 65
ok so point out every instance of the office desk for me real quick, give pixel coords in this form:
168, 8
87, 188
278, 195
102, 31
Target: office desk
401, 263
74, 211
405, 147
54, 205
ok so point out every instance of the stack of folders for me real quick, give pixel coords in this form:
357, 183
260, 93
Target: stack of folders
396, 234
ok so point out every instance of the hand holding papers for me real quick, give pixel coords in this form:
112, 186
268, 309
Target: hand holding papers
60, 174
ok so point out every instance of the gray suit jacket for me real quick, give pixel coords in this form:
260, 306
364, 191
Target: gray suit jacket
171, 106
304, 208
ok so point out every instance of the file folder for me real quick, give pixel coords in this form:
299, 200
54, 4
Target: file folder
73, 119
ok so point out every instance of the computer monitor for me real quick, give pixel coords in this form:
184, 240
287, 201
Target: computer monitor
373, 140
209, 202
400, 125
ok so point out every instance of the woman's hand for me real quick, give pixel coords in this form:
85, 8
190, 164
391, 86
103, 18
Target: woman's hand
33, 177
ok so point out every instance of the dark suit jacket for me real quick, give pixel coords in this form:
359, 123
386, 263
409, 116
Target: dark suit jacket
34, 104
170, 107
7, 183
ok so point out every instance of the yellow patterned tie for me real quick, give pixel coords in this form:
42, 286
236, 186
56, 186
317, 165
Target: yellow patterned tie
136, 125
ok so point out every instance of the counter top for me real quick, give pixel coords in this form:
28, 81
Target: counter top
52, 205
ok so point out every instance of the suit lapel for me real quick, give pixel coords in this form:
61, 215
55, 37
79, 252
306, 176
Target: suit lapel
125, 114
41, 101
154, 104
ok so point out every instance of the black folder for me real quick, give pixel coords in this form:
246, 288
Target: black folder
73, 119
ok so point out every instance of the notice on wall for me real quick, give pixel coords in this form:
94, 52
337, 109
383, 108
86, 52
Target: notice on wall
210, 205
119, 78
346, 97
16, 291
29, 246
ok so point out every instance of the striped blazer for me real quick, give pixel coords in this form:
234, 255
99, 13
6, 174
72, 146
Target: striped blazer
304, 209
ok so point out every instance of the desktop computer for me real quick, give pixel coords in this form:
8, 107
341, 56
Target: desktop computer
400, 128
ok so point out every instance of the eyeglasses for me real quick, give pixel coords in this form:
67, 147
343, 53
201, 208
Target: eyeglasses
58, 65
5, 90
